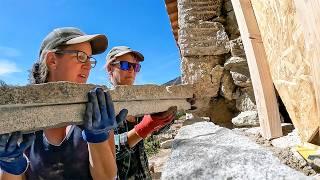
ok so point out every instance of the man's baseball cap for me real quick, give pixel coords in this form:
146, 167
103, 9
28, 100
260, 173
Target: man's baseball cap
119, 51
71, 35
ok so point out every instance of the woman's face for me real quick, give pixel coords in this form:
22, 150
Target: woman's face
66, 67
121, 77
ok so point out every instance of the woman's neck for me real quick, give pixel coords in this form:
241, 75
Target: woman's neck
55, 136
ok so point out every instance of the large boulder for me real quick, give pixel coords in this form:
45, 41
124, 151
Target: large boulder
206, 151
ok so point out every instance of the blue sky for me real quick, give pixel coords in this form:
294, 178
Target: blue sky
141, 24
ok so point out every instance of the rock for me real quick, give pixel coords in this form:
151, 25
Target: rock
237, 64
203, 38
166, 144
231, 26
290, 140
197, 69
246, 101
227, 6
240, 79
227, 86
206, 151
195, 119
220, 111
236, 47
216, 74
254, 130
247, 118
191, 11
204, 78
189, 116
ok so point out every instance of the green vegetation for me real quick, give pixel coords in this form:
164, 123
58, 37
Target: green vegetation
152, 145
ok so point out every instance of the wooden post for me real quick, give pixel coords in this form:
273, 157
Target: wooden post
259, 70
308, 12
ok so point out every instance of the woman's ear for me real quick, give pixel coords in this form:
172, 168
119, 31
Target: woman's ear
51, 61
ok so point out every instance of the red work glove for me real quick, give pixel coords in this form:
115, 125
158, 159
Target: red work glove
154, 122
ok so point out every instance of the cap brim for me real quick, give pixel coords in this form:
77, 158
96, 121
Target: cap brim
139, 55
99, 42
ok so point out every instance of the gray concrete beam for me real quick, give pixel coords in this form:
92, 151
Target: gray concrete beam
66, 92
42, 106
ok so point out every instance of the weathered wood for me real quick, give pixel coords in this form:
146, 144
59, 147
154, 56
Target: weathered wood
309, 16
172, 10
172, 7
41, 106
259, 69
290, 61
173, 16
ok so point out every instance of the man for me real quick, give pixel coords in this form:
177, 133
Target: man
122, 66
71, 152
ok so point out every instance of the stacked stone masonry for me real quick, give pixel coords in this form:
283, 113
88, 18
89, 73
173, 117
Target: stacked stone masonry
214, 61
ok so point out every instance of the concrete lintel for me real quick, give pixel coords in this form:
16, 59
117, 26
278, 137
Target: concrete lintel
56, 104
66, 92
29, 117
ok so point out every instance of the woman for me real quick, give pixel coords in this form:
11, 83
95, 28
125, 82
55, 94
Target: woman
67, 152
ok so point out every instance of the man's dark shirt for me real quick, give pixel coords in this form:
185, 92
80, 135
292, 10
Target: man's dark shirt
132, 162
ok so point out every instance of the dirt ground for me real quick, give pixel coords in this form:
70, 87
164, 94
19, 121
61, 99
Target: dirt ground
285, 155
157, 162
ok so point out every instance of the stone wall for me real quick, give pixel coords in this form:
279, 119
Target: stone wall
213, 59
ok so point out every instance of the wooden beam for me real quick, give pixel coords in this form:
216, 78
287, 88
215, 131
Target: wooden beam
174, 24
259, 70
308, 12
170, 1
172, 7
173, 16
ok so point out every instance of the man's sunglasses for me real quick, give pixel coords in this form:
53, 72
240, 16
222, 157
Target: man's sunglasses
81, 56
126, 66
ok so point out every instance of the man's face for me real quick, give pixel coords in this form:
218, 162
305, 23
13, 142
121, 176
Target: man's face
122, 77
66, 67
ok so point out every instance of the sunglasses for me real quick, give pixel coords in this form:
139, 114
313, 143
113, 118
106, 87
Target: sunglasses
126, 66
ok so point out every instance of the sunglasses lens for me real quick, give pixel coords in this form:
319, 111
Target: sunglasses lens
124, 65
137, 67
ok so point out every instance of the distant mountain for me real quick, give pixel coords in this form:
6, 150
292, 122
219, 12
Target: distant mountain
175, 81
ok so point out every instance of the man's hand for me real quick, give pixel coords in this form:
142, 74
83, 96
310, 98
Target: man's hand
154, 122
100, 116
12, 159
